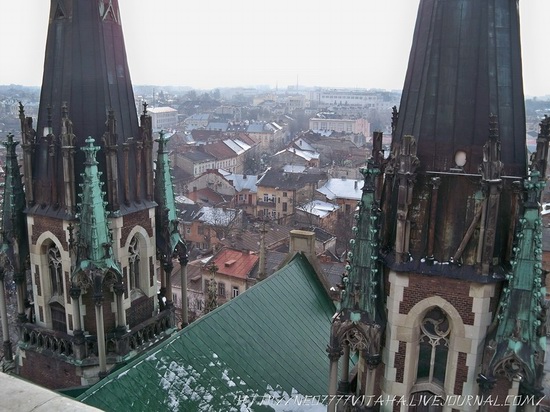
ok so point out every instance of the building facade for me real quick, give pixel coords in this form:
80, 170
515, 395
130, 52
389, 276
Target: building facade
341, 125
443, 291
94, 216
163, 118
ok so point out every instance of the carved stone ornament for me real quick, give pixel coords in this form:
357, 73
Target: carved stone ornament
355, 339
110, 279
82, 280
509, 368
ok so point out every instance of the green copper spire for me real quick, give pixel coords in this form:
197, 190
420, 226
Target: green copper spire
13, 240
358, 325
361, 282
168, 237
14, 249
520, 339
94, 238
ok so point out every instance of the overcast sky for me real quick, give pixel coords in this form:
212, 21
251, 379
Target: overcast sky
215, 43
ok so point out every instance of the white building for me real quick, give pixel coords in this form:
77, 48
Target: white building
325, 123
357, 98
163, 118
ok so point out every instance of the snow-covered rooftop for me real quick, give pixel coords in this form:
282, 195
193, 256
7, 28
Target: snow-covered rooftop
294, 169
342, 188
243, 182
318, 208
184, 200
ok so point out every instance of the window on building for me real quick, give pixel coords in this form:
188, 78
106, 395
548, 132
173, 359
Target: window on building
56, 270
235, 291
221, 289
348, 209
175, 298
433, 347
284, 206
188, 230
284, 194
133, 263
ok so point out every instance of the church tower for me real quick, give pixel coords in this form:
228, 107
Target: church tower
458, 224
92, 210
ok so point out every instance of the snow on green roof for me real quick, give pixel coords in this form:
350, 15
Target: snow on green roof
269, 341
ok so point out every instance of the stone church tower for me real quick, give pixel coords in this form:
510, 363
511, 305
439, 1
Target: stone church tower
443, 291
95, 218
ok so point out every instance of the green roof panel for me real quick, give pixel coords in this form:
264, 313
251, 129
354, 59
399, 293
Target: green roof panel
267, 341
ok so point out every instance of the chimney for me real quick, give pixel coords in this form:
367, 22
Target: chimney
302, 241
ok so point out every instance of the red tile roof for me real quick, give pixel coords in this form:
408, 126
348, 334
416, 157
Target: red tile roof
206, 196
219, 150
235, 263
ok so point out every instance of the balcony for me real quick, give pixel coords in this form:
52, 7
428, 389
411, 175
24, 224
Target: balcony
83, 349
267, 202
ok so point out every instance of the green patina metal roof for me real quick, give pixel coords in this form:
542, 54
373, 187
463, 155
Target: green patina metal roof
272, 338
168, 237
362, 291
94, 238
520, 340
13, 236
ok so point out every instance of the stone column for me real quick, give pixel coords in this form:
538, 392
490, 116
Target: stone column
372, 362
486, 385
334, 355
343, 385
126, 167
78, 334
122, 344
21, 293
8, 354
168, 284
530, 406
120, 313
184, 300
513, 393
100, 335
75, 300
168, 292
162, 278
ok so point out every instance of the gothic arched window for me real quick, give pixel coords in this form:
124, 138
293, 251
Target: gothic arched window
433, 347
134, 262
56, 272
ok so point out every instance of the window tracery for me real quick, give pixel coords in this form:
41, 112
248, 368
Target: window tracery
134, 263
433, 347
56, 272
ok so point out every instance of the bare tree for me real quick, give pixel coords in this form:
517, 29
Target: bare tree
211, 299
220, 222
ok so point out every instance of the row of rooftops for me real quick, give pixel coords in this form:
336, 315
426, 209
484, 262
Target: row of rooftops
291, 178
203, 121
220, 150
239, 255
